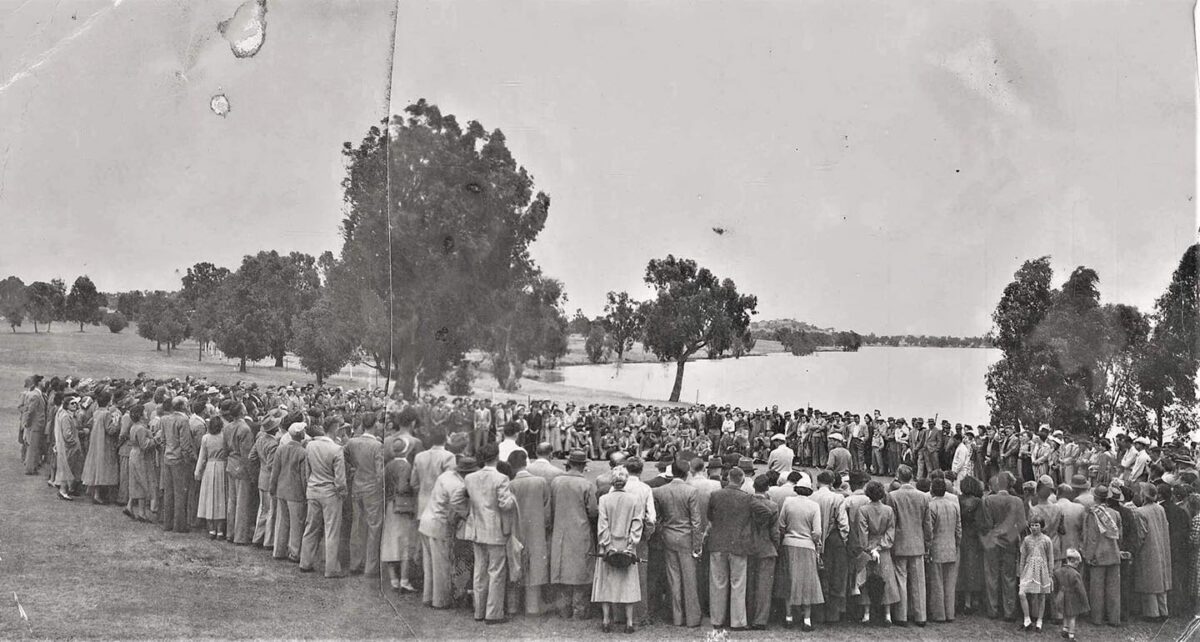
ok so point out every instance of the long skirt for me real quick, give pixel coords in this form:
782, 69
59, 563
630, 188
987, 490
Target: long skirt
804, 585
399, 536
616, 585
970, 565
212, 491
123, 480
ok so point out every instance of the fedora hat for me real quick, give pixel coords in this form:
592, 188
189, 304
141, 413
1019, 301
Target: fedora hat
1079, 482
467, 465
577, 457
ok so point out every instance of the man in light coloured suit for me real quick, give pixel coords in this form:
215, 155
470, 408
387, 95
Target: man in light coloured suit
490, 497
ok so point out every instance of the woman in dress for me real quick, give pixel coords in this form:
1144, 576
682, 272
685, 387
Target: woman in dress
210, 471
970, 554
800, 529
1037, 558
141, 448
877, 523
619, 529
399, 520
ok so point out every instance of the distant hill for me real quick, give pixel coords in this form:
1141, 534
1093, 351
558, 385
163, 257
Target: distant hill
801, 338
767, 327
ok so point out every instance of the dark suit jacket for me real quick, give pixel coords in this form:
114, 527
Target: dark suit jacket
729, 520
1002, 520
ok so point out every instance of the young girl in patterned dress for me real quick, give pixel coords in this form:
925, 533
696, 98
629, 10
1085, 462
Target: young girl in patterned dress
1037, 555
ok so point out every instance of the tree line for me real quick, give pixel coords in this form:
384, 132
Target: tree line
1084, 366
435, 265
42, 303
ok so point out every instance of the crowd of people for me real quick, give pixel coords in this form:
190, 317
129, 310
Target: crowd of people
461, 500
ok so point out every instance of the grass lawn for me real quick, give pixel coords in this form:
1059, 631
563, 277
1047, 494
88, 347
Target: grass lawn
85, 571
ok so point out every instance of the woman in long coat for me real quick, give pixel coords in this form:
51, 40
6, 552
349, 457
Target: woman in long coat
141, 449
877, 521
970, 553
800, 529
618, 529
67, 448
101, 470
535, 514
210, 470
572, 540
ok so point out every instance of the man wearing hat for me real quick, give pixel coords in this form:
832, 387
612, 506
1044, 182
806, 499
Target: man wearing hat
571, 541
447, 508
746, 465
1136, 470
781, 457
263, 454
1002, 521
288, 485
1102, 527
34, 412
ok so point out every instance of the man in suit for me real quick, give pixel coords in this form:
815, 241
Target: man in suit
1003, 519
490, 499
908, 551
427, 466
178, 450
571, 543
946, 534
289, 479
542, 466
446, 507
34, 408
728, 548
364, 464
678, 511
781, 457
326, 491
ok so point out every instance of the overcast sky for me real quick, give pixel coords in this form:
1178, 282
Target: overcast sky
881, 166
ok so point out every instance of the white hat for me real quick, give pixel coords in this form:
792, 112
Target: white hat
1056, 440
297, 429
837, 435
1142, 440
778, 436
805, 481
212, 390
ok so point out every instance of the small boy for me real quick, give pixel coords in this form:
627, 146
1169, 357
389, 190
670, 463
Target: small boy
1069, 592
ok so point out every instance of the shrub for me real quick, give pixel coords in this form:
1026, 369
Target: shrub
115, 322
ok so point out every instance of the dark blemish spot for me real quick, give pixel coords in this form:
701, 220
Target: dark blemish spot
246, 31
473, 188
719, 230
957, 171
448, 244
219, 104
442, 335
74, 16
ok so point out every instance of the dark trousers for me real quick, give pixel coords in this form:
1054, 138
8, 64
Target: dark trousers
36, 442
175, 497
761, 571
1000, 581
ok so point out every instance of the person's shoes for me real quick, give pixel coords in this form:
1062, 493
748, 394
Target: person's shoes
920, 624
758, 627
126, 512
65, 497
605, 627
900, 623
407, 587
1037, 628
293, 560
806, 627
395, 585
305, 570
502, 620
628, 629
51, 484
1064, 635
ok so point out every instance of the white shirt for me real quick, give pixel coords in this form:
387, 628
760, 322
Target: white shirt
506, 447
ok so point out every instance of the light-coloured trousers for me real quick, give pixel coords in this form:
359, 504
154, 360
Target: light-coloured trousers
491, 575
435, 560
681, 578
289, 529
943, 582
910, 579
324, 514
366, 530
264, 524
727, 589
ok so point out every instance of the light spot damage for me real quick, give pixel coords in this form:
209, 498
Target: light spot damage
247, 29
219, 105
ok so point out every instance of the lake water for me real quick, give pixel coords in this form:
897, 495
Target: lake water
902, 382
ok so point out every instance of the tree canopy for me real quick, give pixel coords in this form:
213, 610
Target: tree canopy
692, 310
439, 220
623, 319
12, 301
83, 304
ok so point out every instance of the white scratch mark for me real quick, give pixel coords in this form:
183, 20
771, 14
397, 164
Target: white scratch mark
46, 55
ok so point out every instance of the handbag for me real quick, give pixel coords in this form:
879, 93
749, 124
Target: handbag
620, 559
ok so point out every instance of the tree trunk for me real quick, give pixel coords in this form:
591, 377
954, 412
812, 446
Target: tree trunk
320, 378
168, 348
279, 360
35, 327
1158, 413
158, 346
81, 326
242, 365
200, 351
678, 387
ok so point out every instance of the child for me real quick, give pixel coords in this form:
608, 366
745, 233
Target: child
1037, 555
1069, 592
